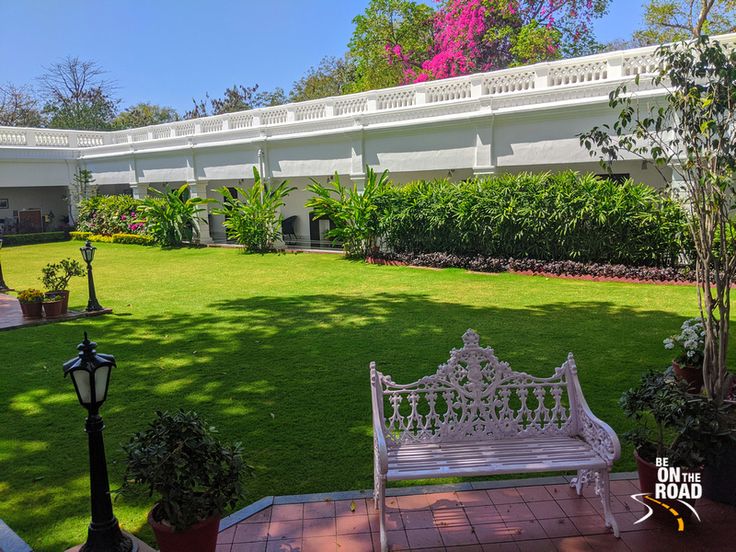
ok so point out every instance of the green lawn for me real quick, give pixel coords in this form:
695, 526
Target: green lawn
274, 351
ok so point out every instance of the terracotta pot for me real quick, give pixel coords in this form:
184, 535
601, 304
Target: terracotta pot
64, 293
647, 481
201, 537
693, 376
32, 310
54, 309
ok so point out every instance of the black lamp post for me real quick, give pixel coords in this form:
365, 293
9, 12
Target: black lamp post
88, 254
3, 285
90, 373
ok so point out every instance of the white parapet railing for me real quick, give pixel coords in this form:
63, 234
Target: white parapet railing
518, 83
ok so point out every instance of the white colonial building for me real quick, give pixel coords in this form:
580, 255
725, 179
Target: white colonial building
519, 119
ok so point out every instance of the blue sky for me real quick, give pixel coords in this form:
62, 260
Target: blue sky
167, 51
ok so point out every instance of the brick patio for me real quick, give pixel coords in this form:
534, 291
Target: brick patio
516, 518
12, 317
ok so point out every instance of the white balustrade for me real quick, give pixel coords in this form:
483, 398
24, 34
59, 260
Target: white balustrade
514, 87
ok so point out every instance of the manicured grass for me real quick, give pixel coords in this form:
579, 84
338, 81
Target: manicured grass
274, 351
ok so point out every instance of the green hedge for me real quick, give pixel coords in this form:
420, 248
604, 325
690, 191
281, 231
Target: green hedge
562, 216
136, 239
28, 239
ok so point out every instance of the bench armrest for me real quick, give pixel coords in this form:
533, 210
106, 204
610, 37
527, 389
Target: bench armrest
591, 429
380, 450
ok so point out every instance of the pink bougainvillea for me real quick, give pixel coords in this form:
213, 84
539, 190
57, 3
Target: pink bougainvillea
482, 35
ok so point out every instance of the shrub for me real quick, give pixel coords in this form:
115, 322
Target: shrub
82, 236
355, 213
56, 276
136, 239
254, 221
171, 218
29, 239
179, 457
109, 215
564, 216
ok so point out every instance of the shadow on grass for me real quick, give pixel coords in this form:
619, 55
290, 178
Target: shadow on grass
286, 376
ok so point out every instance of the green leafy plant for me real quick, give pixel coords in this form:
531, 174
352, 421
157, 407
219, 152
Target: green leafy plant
356, 213
180, 458
172, 216
52, 297
691, 430
30, 295
56, 276
254, 221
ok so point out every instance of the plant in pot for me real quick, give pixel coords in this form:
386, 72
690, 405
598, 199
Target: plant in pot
53, 304
31, 302
56, 276
196, 477
689, 344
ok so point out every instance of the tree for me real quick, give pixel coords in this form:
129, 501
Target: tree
77, 97
19, 107
82, 188
387, 31
145, 114
691, 131
332, 77
482, 35
236, 98
673, 20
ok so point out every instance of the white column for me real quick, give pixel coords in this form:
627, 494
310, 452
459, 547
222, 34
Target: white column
678, 185
198, 188
484, 162
140, 190
73, 200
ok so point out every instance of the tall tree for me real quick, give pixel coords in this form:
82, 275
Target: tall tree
389, 30
332, 77
77, 96
145, 114
236, 98
673, 20
19, 107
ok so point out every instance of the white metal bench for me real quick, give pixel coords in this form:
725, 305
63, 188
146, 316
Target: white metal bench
477, 417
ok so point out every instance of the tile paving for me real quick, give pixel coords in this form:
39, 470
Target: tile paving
518, 519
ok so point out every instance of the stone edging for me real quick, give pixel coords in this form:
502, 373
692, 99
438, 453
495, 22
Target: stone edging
11, 542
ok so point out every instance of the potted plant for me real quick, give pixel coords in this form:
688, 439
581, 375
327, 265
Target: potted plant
196, 477
52, 304
689, 344
31, 301
55, 278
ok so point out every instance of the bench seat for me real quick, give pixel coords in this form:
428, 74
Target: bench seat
476, 458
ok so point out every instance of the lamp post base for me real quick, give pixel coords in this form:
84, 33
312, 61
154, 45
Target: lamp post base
138, 545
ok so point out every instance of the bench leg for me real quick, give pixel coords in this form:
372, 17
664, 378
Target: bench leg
603, 489
582, 479
382, 512
379, 481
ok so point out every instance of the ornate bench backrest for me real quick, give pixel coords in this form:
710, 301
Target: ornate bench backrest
475, 396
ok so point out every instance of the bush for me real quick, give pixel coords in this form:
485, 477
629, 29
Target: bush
171, 218
180, 458
136, 239
82, 236
107, 215
254, 221
355, 213
29, 239
564, 216
56, 276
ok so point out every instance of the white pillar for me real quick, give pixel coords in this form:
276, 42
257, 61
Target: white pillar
73, 200
198, 188
140, 190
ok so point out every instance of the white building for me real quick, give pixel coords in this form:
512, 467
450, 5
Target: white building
519, 119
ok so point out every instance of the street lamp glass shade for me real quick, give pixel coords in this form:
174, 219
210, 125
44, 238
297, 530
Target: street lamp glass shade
90, 373
88, 252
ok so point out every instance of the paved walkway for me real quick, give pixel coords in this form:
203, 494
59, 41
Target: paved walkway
520, 518
12, 317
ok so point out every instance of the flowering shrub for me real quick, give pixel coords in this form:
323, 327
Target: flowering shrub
689, 343
107, 215
30, 296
